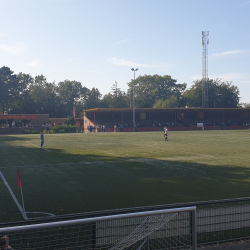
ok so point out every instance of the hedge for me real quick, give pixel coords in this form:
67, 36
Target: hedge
61, 129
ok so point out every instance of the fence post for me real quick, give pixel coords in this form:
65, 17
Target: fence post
93, 236
194, 230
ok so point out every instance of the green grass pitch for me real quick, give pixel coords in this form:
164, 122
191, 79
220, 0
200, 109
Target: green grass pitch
90, 172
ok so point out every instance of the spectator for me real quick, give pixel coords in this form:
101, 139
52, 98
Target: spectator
4, 243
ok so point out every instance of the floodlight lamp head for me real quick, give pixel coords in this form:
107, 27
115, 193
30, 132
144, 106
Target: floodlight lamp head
136, 69
132, 69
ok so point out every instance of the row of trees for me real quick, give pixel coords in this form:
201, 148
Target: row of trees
23, 94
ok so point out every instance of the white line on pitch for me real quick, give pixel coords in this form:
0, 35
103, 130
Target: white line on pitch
11, 153
14, 197
52, 165
37, 146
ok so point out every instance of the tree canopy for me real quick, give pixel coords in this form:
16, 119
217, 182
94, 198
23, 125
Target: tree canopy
150, 89
221, 94
21, 93
9, 88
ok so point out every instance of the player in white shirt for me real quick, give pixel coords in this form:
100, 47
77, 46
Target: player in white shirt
166, 133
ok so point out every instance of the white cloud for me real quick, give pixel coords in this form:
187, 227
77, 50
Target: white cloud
16, 49
123, 62
245, 81
33, 64
123, 41
2, 35
230, 52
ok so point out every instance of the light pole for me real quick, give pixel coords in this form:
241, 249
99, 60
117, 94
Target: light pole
134, 98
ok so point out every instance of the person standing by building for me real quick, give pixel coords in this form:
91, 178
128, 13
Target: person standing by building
42, 139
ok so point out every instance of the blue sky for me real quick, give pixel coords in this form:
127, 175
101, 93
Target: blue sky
97, 42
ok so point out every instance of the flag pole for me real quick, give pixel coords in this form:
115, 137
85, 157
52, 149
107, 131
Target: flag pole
20, 186
23, 203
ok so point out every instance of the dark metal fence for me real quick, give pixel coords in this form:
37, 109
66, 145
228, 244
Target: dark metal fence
223, 223
216, 221
161, 229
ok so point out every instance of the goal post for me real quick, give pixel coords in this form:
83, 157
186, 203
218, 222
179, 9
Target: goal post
154, 229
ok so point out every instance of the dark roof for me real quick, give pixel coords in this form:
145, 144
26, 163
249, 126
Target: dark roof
162, 109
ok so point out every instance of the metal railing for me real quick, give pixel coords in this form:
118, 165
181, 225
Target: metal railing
223, 224
217, 221
160, 229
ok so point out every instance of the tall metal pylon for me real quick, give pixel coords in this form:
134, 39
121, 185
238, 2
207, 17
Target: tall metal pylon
205, 42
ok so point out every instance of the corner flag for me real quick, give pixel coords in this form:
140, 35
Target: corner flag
20, 186
19, 179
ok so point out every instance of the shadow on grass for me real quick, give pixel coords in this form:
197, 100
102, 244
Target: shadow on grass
9, 138
62, 183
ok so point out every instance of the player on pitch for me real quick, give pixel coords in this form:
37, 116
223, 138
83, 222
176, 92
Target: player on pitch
42, 140
166, 133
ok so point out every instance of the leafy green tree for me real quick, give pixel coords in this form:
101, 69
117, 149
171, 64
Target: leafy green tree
93, 98
220, 94
22, 104
40, 80
172, 102
115, 98
9, 88
70, 93
151, 88
36, 96
25, 81
245, 105
43, 95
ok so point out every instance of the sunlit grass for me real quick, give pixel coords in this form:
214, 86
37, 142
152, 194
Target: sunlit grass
89, 172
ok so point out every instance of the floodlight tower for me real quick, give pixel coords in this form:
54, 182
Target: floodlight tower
205, 42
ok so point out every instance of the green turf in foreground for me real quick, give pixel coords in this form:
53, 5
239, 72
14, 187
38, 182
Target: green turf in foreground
90, 172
